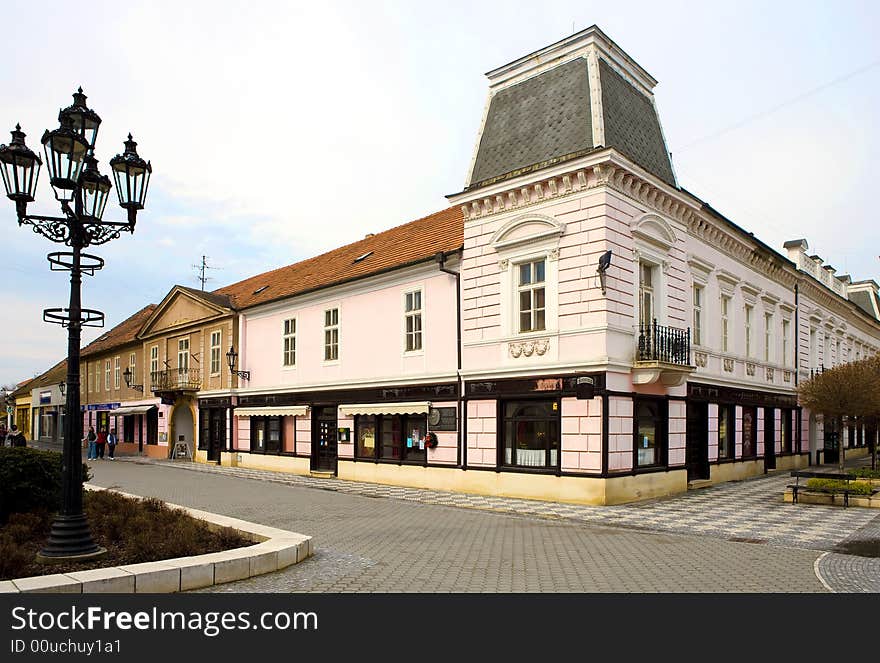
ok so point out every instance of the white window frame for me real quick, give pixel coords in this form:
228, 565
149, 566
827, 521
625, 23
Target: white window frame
414, 314
154, 359
333, 326
216, 349
288, 338
132, 366
699, 292
532, 287
116, 371
786, 330
106, 375
183, 353
724, 317
768, 336
748, 315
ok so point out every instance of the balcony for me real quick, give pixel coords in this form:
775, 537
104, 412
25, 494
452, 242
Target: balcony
175, 379
662, 354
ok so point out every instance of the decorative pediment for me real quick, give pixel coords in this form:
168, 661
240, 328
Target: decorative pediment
526, 229
180, 308
654, 230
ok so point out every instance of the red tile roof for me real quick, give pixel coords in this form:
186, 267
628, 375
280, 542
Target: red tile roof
408, 244
122, 334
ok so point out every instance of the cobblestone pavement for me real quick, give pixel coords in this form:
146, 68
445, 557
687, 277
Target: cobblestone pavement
368, 541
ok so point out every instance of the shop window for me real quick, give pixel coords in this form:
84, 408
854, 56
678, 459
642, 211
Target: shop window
785, 432
725, 432
531, 434
649, 426
267, 435
749, 432
399, 437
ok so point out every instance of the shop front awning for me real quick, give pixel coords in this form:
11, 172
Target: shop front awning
417, 407
275, 411
134, 409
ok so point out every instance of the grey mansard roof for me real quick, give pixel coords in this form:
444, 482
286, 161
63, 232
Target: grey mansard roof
547, 119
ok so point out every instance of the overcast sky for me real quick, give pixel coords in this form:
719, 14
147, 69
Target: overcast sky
281, 130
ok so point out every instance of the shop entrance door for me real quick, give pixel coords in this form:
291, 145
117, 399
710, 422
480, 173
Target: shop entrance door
769, 439
324, 439
697, 450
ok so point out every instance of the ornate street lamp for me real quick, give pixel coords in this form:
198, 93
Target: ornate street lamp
231, 358
82, 192
127, 375
62, 387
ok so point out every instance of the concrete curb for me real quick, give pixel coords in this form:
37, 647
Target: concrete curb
273, 549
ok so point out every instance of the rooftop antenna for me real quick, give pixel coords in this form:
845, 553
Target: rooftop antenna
202, 277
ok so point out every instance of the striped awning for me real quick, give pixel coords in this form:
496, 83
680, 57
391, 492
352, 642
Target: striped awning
274, 411
135, 409
416, 407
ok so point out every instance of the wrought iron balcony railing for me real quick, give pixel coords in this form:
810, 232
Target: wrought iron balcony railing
664, 344
176, 379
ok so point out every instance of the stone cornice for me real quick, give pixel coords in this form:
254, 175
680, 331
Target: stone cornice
821, 295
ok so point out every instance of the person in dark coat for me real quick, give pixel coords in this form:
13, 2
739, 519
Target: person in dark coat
101, 442
16, 437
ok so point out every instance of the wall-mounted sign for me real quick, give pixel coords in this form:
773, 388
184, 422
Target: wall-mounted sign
442, 418
99, 407
45, 397
343, 435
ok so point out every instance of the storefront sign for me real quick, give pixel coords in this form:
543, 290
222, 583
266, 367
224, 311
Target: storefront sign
99, 407
442, 419
45, 397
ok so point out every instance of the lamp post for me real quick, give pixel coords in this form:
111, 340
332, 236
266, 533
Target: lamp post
231, 358
82, 192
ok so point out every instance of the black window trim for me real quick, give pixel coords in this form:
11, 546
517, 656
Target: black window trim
663, 435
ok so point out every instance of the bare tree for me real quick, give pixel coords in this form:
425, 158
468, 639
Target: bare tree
848, 391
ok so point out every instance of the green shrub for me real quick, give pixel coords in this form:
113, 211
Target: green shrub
30, 480
866, 473
855, 487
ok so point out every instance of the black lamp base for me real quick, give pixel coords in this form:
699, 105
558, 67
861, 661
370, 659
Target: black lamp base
70, 540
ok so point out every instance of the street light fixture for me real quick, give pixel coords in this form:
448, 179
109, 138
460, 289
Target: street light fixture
231, 358
82, 192
62, 387
127, 375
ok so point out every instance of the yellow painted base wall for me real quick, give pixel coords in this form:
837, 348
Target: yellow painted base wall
736, 471
792, 462
264, 462
855, 454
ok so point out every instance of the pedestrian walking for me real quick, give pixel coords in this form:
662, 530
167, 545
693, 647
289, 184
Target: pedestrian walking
111, 442
100, 443
16, 437
91, 440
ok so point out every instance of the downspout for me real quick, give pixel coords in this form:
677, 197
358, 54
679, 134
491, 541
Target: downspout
461, 460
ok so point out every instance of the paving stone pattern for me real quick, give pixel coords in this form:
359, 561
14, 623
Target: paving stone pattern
371, 538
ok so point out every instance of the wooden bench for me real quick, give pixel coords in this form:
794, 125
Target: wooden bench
804, 474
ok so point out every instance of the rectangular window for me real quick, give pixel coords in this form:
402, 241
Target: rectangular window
331, 334
116, 373
748, 330
183, 355
649, 427
768, 336
725, 432
413, 315
838, 358
531, 294
814, 350
216, 342
132, 367
531, 434
107, 375
698, 315
725, 306
749, 432
267, 435
88, 381
785, 432
391, 437
785, 330
646, 294
288, 354
154, 359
